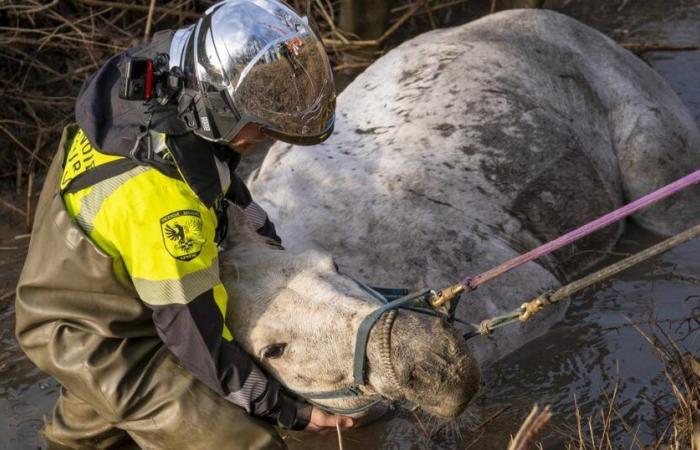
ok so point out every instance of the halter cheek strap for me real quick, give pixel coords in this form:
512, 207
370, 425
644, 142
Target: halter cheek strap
391, 299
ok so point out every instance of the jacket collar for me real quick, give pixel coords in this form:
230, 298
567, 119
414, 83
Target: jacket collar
196, 160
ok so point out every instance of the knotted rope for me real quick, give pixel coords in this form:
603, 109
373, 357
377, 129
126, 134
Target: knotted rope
529, 309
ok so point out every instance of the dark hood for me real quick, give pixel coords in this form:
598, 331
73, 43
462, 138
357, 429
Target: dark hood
112, 124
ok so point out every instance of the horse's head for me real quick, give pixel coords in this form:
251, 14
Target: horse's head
299, 318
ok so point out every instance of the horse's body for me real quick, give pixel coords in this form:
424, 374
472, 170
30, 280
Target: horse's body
467, 146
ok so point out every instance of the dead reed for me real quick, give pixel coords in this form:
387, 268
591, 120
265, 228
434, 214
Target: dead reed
47, 50
675, 425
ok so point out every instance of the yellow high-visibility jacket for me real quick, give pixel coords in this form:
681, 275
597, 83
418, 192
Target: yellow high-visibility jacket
164, 239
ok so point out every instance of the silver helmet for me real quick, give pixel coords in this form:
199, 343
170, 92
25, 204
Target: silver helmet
255, 61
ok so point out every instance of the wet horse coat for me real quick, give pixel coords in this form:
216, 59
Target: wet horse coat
464, 147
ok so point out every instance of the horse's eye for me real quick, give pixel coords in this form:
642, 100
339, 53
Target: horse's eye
273, 351
335, 266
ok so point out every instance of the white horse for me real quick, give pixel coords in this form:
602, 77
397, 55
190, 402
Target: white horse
465, 147
299, 318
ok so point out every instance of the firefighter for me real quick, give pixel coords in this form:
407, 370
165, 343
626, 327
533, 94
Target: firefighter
120, 298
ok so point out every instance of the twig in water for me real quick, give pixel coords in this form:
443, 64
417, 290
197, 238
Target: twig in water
30, 186
622, 5
340, 436
358, 65
579, 428
420, 424
532, 425
491, 418
431, 17
640, 47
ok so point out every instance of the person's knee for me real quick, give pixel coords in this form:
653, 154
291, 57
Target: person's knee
75, 424
190, 415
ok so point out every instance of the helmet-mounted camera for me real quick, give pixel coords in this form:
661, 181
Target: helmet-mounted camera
146, 79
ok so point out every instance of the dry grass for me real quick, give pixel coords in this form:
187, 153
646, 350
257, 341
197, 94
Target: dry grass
680, 426
530, 429
676, 425
48, 48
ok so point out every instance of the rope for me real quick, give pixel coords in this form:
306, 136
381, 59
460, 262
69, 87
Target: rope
471, 283
534, 306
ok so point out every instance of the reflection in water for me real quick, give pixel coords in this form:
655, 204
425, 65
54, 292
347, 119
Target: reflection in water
680, 70
25, 393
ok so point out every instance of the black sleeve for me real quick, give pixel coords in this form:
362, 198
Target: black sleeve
239, 194
193, 332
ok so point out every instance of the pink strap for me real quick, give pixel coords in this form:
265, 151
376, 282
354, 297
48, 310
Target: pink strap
471, 283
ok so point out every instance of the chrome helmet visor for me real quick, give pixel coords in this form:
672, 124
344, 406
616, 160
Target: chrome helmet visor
259, 62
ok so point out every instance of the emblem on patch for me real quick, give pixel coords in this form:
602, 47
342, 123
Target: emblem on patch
182, 234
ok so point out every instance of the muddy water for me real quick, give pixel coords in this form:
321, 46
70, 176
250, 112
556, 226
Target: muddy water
25, 392
584, 357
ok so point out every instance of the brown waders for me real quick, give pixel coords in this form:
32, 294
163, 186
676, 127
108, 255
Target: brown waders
77, 322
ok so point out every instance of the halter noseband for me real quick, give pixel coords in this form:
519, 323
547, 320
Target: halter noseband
392, 299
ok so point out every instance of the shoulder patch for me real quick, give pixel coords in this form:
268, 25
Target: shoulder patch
182, 234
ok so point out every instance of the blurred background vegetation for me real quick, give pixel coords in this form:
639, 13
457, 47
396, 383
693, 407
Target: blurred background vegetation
48, 48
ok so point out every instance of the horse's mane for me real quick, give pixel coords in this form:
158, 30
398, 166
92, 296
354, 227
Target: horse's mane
243, 243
